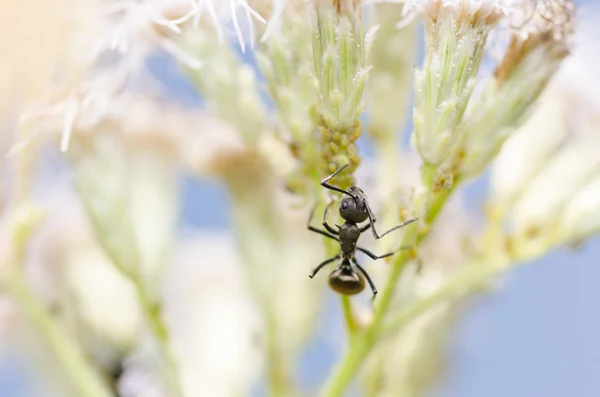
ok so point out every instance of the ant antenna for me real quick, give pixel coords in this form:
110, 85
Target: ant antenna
335, 188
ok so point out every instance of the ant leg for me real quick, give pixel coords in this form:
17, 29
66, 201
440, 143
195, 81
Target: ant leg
364, 272
372, 223
375, 257
335, 188
325, 224
314, 229
322, 232
396, 227
325, 262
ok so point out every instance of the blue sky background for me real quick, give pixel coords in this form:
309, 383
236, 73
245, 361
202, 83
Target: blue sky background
537, 337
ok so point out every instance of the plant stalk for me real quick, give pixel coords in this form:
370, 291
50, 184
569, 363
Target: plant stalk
362, 343
87, 381
153, 316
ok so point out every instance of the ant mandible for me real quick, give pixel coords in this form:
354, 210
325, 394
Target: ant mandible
354, 209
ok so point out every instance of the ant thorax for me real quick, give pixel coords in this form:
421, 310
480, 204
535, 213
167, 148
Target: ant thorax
349, 234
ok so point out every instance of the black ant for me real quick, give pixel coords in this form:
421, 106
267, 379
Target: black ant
354, 209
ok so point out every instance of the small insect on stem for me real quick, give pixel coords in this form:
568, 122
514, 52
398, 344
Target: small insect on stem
349, 277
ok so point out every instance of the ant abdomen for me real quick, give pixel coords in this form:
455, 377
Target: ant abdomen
344, 280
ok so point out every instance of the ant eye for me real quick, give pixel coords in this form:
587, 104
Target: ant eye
344, 204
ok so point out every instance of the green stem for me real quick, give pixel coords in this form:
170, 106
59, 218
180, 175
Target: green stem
466, 280
438, 204
348, 367
428, 175
153, 316
86, 379
278, 375
348, 315
88, 382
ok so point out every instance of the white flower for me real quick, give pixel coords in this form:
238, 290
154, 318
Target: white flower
109, 45
115, 38
221, 12
467, 11
76, 34
39, 35
36, 56
130, 29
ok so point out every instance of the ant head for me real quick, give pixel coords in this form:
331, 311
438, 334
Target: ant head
345, 280
354, 209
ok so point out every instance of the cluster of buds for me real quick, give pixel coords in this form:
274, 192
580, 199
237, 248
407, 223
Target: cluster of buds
339, 53
286, 61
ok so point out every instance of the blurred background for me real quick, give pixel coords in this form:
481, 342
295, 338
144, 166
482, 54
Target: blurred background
535, 335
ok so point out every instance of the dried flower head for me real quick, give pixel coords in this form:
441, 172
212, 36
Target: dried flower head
456, 34
533, 56
535, 24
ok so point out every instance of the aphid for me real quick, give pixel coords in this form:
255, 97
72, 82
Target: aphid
354, 209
